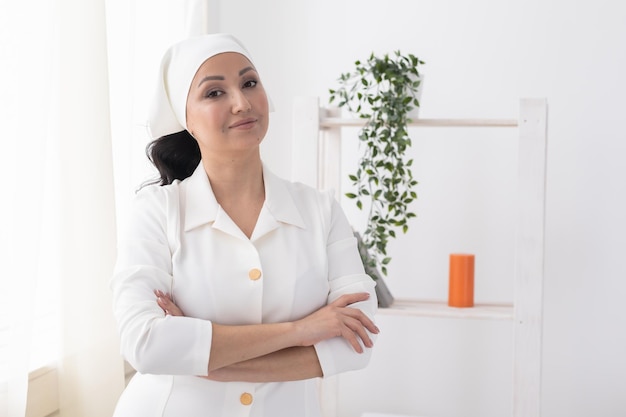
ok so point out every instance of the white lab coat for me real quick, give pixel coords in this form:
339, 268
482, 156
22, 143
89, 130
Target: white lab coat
180, 241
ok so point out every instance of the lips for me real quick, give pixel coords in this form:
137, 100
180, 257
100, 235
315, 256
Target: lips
244, 123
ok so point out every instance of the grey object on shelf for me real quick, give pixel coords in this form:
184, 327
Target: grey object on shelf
385, 298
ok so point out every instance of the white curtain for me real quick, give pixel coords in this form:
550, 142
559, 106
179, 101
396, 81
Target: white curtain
75, 79
28, 95
59, 208
91, 375
58, 216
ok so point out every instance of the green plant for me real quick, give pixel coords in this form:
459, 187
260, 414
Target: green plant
382, 90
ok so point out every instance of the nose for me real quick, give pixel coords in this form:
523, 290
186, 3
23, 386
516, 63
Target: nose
240, 103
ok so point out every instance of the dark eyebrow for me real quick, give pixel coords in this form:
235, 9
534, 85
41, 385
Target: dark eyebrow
246, 69
221, 78
210, 77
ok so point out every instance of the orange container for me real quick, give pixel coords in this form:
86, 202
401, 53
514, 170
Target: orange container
461, 286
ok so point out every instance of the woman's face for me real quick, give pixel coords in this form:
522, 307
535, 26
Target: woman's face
227, 108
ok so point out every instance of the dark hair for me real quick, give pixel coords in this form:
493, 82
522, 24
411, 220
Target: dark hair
175, 156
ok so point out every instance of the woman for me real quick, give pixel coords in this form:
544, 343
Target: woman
266, 271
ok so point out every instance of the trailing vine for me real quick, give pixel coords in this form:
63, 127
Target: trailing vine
382, 90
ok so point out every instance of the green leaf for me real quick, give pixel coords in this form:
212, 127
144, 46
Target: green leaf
387, 85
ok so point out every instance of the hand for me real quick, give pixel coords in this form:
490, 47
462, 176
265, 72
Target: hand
167, 305
338, 319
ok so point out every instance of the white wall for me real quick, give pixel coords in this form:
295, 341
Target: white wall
481, 57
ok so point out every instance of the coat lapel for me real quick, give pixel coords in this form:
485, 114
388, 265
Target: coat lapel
202, 208
279, 208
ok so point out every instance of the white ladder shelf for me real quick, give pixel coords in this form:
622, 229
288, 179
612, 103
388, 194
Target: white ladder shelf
316, 160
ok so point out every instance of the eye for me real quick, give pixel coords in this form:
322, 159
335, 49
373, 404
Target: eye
250, 83
213, 93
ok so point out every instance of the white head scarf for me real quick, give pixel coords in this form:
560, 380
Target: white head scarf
179, 65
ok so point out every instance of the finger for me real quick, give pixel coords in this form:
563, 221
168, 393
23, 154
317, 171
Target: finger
349, 335
174, 310
168, 305
163, 304
164, 295
360, 331
347, 299
359, 315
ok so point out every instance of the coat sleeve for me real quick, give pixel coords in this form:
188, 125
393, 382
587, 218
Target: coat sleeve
346, 275
149, 340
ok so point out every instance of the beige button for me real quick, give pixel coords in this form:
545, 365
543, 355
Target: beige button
254, 274
246, 398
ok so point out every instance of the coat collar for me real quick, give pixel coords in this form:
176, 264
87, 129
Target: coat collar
201, 207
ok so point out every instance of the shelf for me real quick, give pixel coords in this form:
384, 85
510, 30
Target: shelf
317, 161
331, 122
426, 308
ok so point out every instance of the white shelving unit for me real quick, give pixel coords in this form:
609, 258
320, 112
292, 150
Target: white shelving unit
437, 308
317, 162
